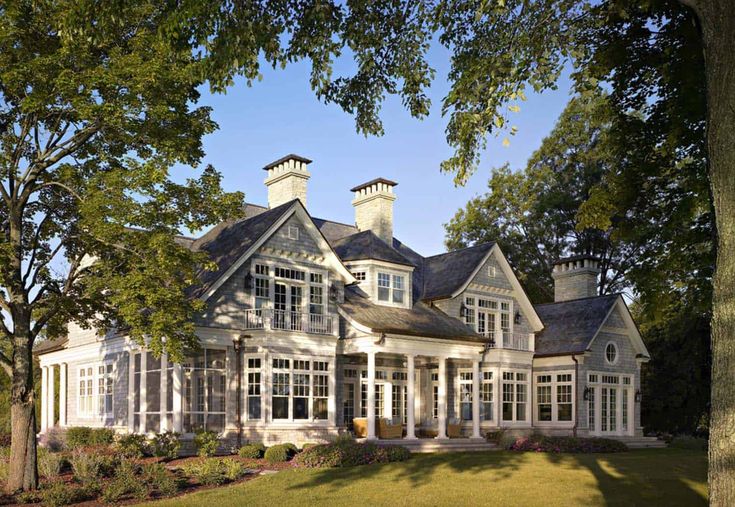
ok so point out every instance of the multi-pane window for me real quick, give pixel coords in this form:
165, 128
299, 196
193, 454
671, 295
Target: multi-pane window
514, 396
543, 397
486, 396
316, 299
289, 273
391, 288
293, 232
564, 397
487, 315
469, 312
465, 395
86, 391
152, 393
299, 393
624, 411
262, 286
399, 401
591, 408
348, 403
205, 381
104, 389
360, 276
254, 386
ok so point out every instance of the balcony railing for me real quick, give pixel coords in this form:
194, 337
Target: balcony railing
282, 320
508, 340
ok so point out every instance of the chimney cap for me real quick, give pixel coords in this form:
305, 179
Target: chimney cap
575, 258
290, 156
373, 182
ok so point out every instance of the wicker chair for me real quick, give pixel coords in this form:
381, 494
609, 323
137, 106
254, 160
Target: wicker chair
359, 427
388, 430
454, 428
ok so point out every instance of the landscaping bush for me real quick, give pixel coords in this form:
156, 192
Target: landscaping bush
307, 445
277, 454
87, 467
542, 443
167, 445
253, 451
132, 446
495, 437
77, 436
101, 436
206, 443
158, 479
214, 472
125, 483
291, 448
58, 493
52, 439
345, 454
28, 497
344, 438
4, 463
49, 463
506, 441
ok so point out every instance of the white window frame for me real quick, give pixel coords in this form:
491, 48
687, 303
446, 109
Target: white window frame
259, 386
293, 232
92, 410
206, 412
292, 370
492, 327
514, 398
616, 360
306, 283
554, 385
393, 276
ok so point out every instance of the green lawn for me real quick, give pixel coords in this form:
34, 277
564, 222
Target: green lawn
645, 477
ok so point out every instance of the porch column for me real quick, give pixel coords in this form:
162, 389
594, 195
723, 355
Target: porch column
371, 396
410, 398
51, 396
332, 394
44, 397
163, 404
442, 415
178, 400
62, 394
476, 399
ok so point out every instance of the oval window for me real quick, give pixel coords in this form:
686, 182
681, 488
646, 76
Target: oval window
611, 353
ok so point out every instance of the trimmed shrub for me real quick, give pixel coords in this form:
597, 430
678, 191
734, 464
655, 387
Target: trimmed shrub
167, 445
77, 436
291, 448
307, 445
542, 443
206, 443
253, 451
101, 436
277, 454
347, 454
344, 438
49, 463
506, 441
132, 445
87, 467
232, 469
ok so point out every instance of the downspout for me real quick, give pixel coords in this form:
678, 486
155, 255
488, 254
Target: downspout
237, 342
576, 395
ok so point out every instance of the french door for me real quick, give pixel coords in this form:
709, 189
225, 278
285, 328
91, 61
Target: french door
287, 305
610, 410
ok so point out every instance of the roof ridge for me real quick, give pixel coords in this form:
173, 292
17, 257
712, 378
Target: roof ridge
485, 244
614, 294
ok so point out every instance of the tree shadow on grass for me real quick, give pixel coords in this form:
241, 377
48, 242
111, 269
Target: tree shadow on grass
420, 469
643, 477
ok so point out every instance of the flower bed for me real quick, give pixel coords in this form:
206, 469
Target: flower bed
543, 443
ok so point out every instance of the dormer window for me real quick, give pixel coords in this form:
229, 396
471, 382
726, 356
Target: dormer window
391, 288
359, 276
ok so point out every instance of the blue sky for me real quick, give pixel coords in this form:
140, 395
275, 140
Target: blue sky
281, 115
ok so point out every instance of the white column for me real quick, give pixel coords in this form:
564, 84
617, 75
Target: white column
50, 413
178, 399
388, 400
442, 415
163, 423
410, 398
62, 394
131, 391
476, 399
371, 396
332, 395
143, 387
44, 398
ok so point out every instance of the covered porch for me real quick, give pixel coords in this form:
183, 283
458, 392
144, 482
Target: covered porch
409, 388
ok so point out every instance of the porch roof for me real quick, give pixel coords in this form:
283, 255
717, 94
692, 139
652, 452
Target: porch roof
420, 320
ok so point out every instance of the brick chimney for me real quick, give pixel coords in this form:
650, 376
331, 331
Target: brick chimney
575, 277
373, 204
286, 181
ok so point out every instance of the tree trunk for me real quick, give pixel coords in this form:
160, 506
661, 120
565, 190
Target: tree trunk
717, 18
23, 472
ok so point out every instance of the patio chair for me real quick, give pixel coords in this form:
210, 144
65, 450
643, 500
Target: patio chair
388, 430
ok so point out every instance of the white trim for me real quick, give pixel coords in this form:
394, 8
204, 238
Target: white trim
554, 422
616, 359
633, 334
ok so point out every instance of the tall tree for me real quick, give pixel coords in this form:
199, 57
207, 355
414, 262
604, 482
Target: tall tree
97, 104
533, 213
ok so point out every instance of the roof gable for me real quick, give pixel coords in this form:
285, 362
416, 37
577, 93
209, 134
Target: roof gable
366, 245
445, 274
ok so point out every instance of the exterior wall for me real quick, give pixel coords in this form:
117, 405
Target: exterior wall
119, 419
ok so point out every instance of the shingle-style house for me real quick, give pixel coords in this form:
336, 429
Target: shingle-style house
313, 327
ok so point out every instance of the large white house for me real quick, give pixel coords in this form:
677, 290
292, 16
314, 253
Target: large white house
313, 326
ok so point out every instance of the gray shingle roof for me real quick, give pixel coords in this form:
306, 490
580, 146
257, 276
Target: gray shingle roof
443, 274
228, 241
47, 346
421, 320
569, 326
366, 245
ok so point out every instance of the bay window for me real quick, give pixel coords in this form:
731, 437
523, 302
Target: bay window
300, 389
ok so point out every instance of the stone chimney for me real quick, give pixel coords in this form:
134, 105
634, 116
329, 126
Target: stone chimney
374, 207
575, 277
287, 179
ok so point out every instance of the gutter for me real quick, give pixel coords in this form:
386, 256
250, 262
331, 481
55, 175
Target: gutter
576, 395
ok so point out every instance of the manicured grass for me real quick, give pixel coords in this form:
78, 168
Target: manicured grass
645, 477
